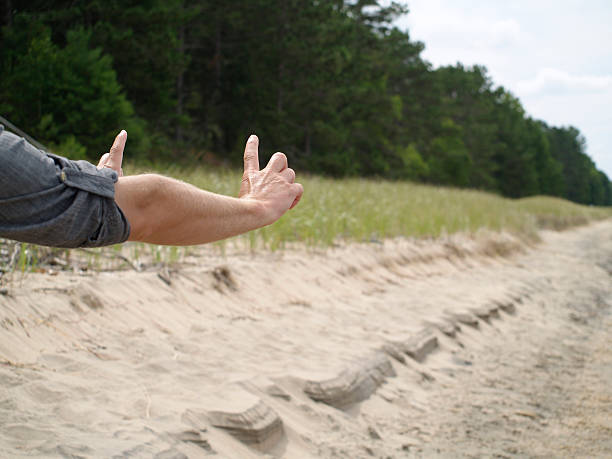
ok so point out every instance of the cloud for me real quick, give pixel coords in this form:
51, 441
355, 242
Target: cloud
479, 33
563, 78
550, 80
456, 26
504, 33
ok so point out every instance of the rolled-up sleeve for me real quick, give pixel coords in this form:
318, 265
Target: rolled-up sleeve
49, 200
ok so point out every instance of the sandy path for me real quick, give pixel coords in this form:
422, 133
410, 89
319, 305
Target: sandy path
538, 386
237, 351
551, 397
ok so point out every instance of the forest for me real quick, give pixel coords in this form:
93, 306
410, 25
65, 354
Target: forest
333, 84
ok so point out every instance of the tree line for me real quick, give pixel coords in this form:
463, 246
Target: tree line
333, 84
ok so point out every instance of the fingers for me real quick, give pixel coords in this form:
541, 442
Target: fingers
299, 190
114, 157
288, 174
253, 180
277, 163
251, 155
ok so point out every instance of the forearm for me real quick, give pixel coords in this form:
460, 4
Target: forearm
166, 211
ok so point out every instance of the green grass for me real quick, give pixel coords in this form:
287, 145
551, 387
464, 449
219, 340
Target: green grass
333, 210
360, 209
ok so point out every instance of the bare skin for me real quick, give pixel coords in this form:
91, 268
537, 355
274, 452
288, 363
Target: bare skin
162, 210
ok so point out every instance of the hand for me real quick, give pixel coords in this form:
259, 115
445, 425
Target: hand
273, 187
114, 157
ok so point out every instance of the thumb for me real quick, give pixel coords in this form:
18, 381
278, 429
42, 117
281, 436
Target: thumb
103, 160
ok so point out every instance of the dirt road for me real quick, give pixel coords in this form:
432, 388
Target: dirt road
543, 386
465, 347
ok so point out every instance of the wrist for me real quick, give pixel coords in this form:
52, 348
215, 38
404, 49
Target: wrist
257, 212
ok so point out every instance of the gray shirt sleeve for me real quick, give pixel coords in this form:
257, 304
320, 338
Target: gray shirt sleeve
49, 200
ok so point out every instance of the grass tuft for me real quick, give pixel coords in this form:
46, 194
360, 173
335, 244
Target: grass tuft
333, 210
366, 209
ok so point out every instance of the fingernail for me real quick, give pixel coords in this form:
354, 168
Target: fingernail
253, 138
123, 132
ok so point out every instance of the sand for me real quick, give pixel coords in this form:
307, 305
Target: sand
457, 347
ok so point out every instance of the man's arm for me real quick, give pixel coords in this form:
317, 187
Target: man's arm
162, 210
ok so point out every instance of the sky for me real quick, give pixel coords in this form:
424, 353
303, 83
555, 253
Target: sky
555, 56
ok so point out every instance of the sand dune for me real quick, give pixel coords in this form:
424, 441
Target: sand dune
467, 346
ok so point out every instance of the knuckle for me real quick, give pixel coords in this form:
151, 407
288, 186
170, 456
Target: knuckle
290, 175
280, 156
